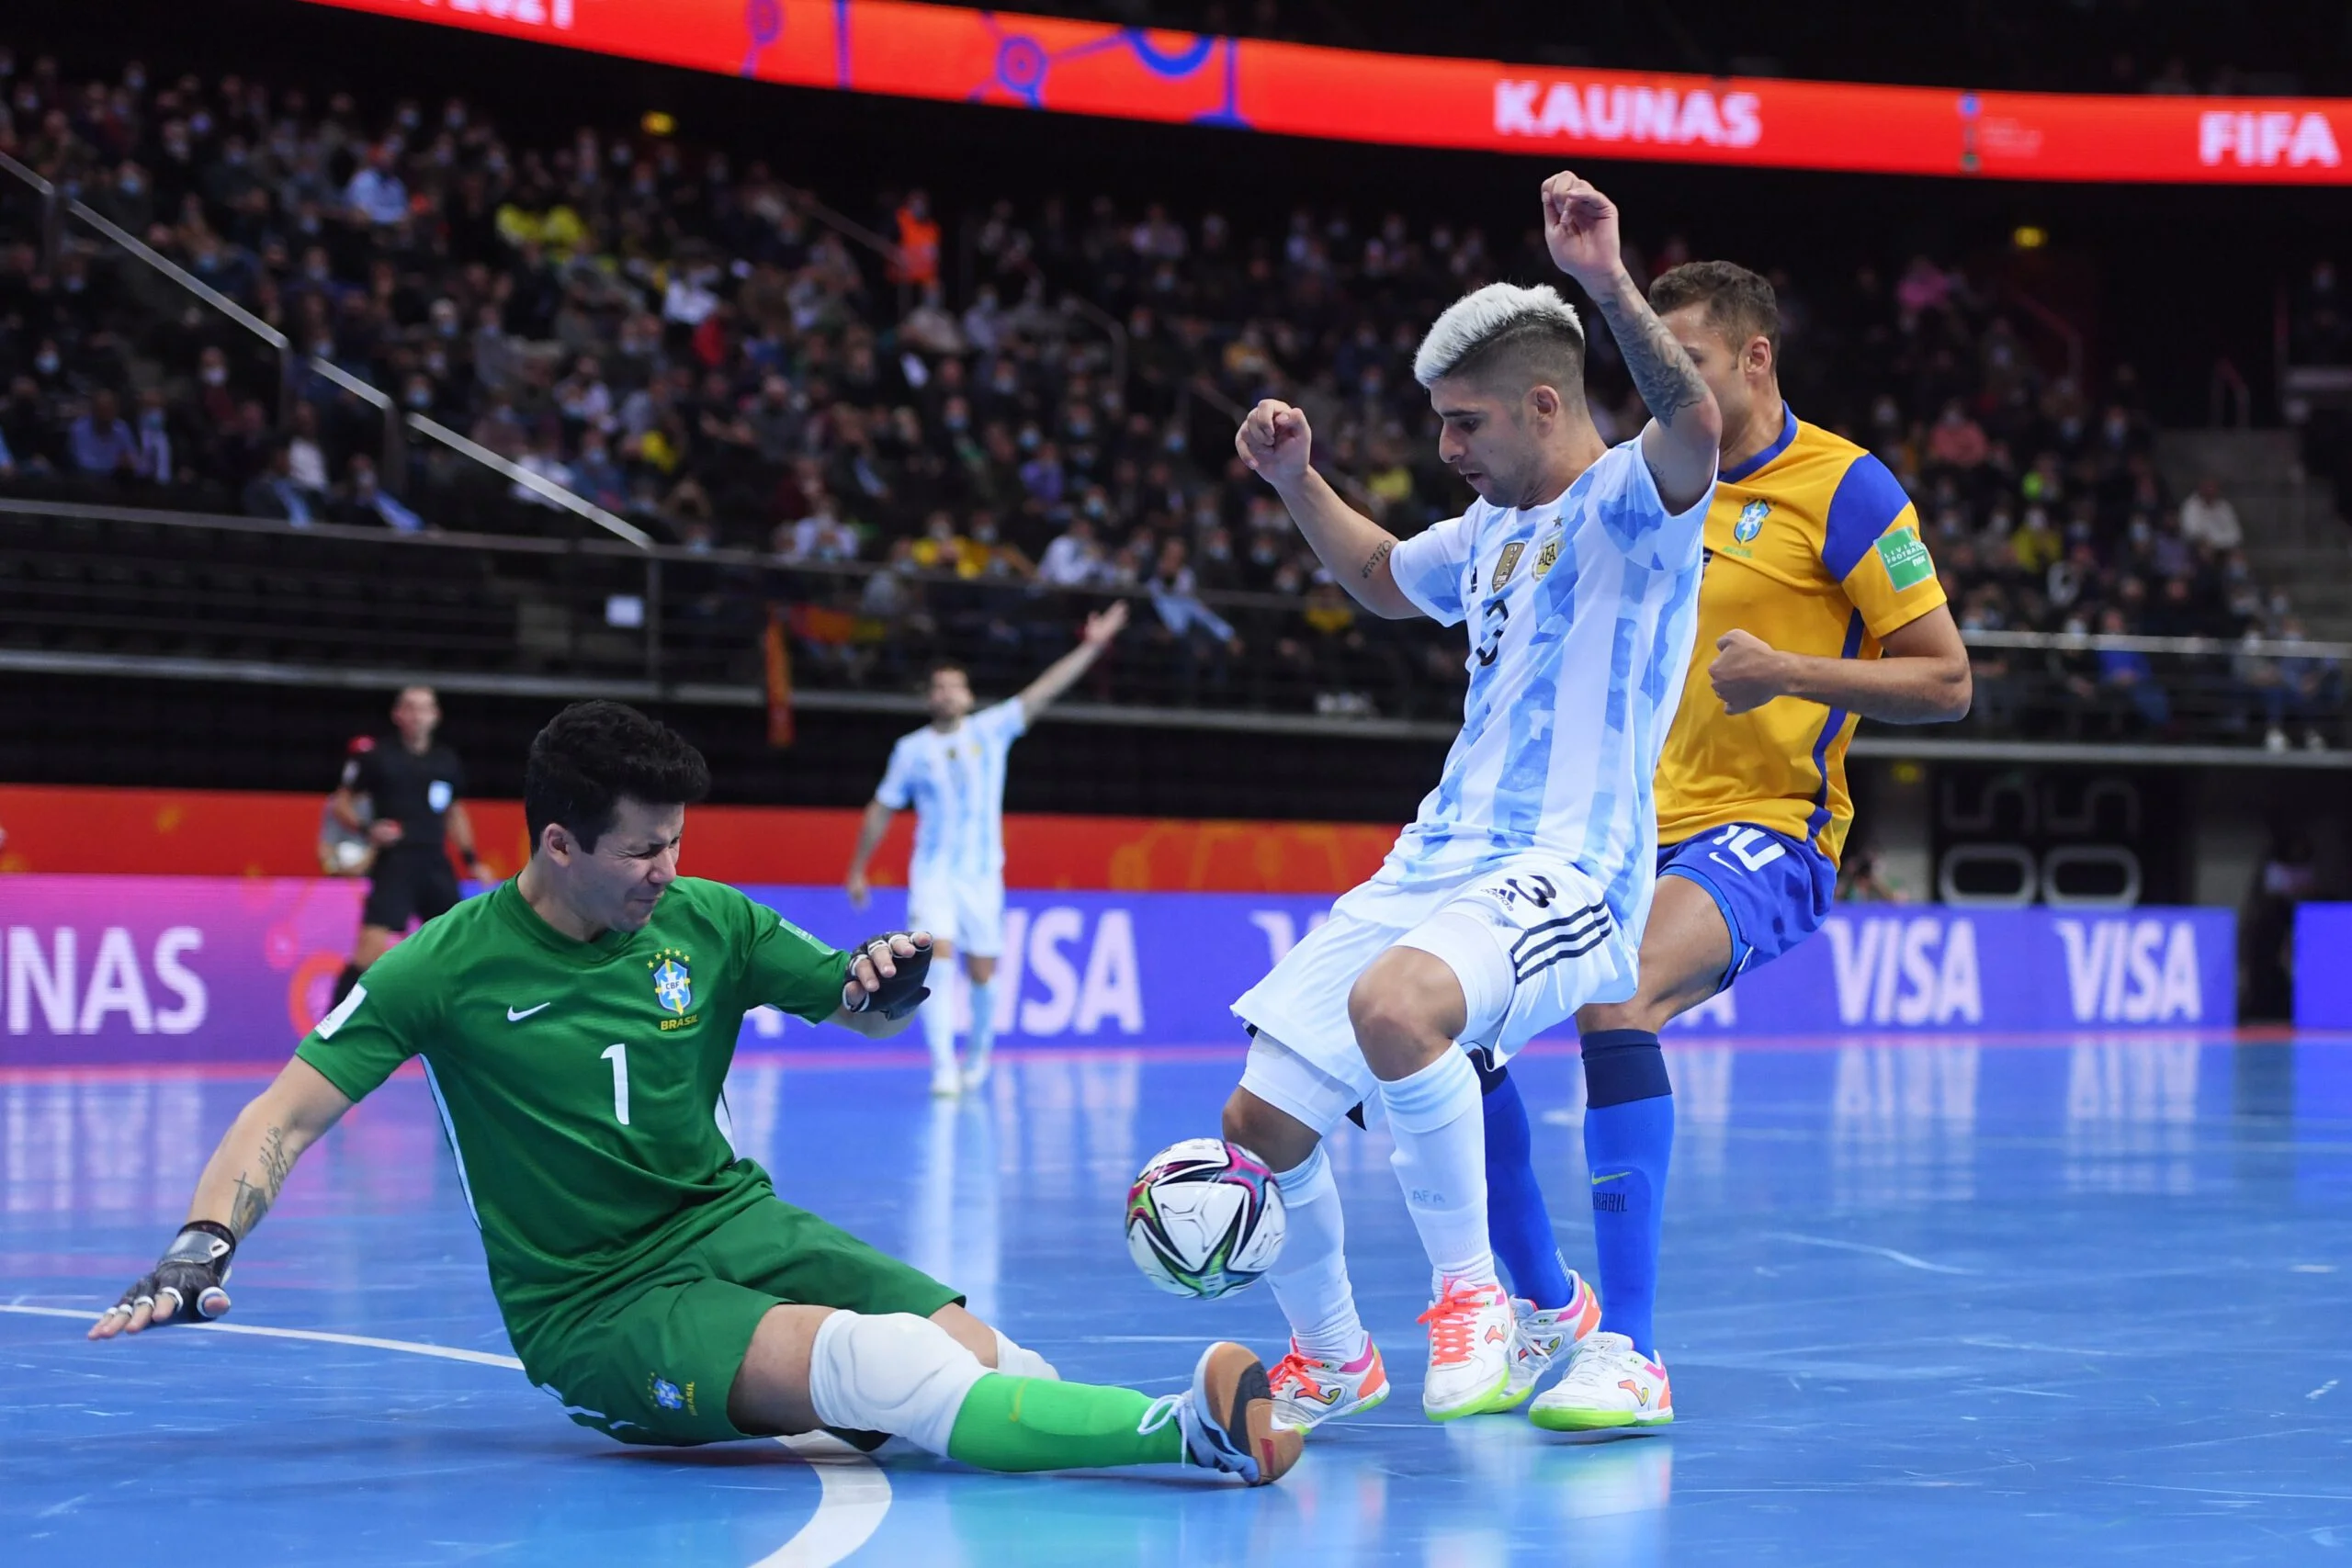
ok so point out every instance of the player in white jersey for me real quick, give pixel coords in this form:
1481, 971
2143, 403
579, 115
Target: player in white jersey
1518, 892
952, 771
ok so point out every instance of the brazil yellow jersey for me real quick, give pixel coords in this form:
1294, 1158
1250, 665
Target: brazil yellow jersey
1813, 546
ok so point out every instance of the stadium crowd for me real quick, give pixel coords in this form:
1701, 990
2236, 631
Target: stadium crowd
1035, 402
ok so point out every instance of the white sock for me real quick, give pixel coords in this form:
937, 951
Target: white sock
1020, 1361
983, 993
890, 1372
1310, 1273
938, 1015
1441, 1160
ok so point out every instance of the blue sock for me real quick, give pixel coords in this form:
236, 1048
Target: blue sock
1628, 1142
1519, 1226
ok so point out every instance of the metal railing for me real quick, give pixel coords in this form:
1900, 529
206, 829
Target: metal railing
291, 362
104, 586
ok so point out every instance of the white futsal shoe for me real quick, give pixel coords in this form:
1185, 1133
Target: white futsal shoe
946, 1083
1474, 1339
1309, 1391
1547, 1336
975, 1073
1608, 1385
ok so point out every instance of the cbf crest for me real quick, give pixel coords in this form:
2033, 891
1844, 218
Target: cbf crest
673, 983
1751, 521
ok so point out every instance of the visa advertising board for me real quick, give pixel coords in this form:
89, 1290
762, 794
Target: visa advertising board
122, 969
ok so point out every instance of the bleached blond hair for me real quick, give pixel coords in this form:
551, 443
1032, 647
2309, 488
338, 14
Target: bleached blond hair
1500, 315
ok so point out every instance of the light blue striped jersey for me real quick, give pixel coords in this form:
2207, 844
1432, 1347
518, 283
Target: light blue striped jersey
955, 781
1581, 612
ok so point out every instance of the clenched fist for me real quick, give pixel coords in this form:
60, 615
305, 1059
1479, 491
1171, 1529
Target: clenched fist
1747, 672
1580, 229
1274, 441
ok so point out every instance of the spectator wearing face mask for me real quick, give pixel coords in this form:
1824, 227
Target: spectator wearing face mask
102, 445
1074, 560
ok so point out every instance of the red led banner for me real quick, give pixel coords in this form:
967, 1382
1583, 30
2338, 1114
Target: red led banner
955, 55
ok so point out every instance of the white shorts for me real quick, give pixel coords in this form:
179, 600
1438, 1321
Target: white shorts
966, 912
1531, 942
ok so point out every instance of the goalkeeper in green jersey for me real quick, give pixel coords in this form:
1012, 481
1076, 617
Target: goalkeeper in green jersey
576, 1025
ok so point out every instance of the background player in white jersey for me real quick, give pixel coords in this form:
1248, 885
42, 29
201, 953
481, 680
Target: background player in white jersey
952, 771
1518, 892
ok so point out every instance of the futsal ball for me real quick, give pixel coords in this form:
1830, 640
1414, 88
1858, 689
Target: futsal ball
1204, 1218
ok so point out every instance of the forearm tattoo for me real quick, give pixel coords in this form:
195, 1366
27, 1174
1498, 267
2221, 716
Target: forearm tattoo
254, 1197
1379, 553
1662, 372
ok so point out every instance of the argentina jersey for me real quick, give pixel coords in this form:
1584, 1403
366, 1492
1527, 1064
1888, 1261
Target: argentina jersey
1581, 615
954, 782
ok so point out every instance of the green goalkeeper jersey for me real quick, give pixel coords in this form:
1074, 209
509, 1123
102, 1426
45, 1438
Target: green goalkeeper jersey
580, 1082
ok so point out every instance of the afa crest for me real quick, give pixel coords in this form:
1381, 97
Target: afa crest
1751, 521
1548, 557
673, 980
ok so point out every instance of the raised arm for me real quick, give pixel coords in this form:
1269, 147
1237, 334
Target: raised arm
1063, 672
1923, 679
1686, 427
1274, 441
240, 1182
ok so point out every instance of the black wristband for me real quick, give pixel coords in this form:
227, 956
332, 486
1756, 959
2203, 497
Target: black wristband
212, 1228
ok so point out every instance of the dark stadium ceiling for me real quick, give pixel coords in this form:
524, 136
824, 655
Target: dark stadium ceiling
2234, 46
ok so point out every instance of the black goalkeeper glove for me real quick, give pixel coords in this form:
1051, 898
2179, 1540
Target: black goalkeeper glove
188, 1276
894, 996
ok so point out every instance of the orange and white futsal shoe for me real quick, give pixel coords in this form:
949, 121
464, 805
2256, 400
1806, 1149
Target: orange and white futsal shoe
1608, 1385
1547, 1338
1309, 1392
1474, 1341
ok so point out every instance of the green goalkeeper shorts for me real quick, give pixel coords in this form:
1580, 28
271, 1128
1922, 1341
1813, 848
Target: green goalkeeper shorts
654, 1361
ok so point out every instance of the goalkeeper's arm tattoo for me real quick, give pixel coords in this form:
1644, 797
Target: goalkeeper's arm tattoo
1662, 372
254, 1197
1379, 553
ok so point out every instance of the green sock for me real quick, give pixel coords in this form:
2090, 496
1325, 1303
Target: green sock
1014, 1423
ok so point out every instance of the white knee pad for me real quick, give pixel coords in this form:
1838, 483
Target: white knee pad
1020, 1361
896, 1373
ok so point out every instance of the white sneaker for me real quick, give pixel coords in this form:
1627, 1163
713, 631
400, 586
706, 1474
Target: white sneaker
2275, 740
976, 1074
1309, 1392
1472, 1341
946, 1083
1609, 1384
1546, 1336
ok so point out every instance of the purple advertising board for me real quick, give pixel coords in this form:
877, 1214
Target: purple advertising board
2323, 977
101, 970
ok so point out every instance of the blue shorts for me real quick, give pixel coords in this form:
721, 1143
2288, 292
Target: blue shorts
1774, 890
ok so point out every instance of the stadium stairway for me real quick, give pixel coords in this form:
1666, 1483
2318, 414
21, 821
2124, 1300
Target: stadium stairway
2294, 535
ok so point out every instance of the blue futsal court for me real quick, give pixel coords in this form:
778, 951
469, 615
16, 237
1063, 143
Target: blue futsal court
2060, 1300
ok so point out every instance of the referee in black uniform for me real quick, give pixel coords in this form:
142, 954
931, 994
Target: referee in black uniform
414, 786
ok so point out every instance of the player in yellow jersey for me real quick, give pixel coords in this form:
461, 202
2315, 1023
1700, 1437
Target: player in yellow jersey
1819, 607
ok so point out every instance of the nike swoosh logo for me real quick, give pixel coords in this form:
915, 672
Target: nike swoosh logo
514, 1017
1612, 1175
1721, 862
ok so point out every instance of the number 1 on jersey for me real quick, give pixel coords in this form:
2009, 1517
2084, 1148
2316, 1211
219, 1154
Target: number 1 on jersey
618, 1056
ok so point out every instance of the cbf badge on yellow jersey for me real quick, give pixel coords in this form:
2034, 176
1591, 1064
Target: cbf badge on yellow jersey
1751, 521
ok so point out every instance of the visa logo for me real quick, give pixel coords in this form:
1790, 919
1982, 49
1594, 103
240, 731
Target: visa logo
2126, 970
1915, 970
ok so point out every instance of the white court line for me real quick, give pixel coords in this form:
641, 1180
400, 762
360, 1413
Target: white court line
1902, 1257
853, 1493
